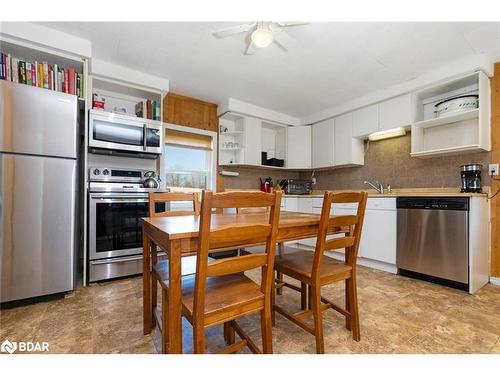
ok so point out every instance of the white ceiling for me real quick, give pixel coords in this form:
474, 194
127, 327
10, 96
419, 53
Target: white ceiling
329, 64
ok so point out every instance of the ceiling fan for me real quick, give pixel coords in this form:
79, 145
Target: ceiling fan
261, 34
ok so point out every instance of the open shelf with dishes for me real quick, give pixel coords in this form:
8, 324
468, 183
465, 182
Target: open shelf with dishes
231, 139
452, 117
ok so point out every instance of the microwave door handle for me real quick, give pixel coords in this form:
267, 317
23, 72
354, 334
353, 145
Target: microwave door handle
144, 132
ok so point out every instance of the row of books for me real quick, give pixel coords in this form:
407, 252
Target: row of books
149, 109
41, 74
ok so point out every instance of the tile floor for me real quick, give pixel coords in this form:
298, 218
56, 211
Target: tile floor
398, 315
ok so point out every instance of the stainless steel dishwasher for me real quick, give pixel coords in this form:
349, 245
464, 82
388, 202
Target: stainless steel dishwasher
432, 239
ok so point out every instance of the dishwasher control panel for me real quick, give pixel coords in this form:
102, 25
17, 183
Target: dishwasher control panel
434, 203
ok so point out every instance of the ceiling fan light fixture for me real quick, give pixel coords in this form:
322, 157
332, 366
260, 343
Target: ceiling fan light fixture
262, 37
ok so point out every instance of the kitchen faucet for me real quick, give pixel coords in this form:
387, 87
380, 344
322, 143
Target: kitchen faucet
379, 188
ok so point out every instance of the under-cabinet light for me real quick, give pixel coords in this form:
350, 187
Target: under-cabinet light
391, 133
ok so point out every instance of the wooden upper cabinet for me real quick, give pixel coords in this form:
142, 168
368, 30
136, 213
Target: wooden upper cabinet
183, 110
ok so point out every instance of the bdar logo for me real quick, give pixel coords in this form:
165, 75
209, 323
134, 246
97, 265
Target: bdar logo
9, 347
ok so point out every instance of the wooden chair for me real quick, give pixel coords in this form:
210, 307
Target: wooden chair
316, 269
219, 292
160, 271
281, 247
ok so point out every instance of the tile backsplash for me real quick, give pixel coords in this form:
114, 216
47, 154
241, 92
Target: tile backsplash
387, 161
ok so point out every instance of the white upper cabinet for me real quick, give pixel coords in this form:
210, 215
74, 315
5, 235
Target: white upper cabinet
395, 112
389, 114
347, 150
323, 144
253, 141
365, 121
299, 147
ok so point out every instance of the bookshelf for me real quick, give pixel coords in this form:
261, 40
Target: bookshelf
25, 64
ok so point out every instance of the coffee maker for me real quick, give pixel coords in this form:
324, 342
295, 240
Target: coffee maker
471, 178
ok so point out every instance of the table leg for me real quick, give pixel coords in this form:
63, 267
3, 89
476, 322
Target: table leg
175, 297
146, 284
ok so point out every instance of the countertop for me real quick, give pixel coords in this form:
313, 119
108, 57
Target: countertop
424, 192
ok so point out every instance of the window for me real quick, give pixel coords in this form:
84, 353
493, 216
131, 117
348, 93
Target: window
188, 161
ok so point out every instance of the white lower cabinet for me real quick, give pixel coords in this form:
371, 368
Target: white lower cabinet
291, 204
295, 204
378, 239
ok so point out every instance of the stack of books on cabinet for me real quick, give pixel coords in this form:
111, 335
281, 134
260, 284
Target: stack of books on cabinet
41, 74
149, 109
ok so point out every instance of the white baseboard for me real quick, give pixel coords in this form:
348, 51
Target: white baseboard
494, 280
381, 266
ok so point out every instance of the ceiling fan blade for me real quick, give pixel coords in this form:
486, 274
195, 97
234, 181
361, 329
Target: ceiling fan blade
288, 24
282, 39
233, 30
251, 48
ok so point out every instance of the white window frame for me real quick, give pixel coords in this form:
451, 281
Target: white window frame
212, 172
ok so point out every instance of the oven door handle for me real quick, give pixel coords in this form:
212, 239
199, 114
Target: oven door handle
119, 199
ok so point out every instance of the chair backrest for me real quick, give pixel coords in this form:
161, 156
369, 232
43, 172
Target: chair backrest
349, 228
238, 234
173, 197
252, 210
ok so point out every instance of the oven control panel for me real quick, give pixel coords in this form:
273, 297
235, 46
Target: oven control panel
116, 174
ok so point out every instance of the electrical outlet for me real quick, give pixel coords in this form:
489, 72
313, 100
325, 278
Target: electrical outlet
493, 169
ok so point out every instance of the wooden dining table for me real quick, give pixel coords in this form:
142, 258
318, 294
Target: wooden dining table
178, 237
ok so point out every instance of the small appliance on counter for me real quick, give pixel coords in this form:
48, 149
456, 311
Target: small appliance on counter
296, 187
471, 178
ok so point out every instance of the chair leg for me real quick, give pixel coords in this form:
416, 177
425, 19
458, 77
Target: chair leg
164, 318
154, 295
273, 302
353, 303
229, 334
318, 319
154, 285
279, 275
309, 297
348, 320
303, 296
267, 330
198, 339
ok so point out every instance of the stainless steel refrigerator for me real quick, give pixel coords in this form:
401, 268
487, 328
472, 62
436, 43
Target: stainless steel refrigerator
38, 172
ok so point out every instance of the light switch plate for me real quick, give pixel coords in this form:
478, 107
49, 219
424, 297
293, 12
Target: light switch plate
493, 169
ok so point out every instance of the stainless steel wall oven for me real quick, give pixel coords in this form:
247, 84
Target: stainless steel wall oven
117, 202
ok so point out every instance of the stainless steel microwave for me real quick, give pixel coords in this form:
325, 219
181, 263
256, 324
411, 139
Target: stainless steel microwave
124, 133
